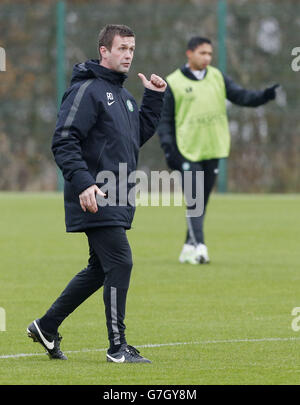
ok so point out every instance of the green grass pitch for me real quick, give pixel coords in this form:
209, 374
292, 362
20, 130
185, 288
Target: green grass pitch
228, 322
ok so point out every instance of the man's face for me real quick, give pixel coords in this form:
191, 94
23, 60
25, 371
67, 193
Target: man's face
120, 56
200, 57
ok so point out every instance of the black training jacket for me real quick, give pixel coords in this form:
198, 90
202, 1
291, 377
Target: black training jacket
99, 125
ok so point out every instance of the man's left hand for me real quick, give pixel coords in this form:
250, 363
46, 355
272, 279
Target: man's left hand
155, 83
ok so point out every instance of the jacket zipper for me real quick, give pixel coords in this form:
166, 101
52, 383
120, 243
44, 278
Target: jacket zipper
130, 129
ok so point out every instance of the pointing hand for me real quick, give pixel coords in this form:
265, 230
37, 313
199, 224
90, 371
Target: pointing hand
270, 92
155, 83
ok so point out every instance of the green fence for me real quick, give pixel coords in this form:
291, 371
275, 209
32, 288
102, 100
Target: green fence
260, 37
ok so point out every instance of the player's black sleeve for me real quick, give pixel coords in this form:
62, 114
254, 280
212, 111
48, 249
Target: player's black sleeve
166, 127
247, 98
150, 113
166, 131
67, 138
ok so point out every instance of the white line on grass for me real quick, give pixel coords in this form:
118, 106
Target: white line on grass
204, 342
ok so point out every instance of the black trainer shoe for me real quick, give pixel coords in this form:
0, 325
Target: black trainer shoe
50, 342
126, 354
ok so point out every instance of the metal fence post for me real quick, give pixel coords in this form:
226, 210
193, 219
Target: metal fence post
222, 12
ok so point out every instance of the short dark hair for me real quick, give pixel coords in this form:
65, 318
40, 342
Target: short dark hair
107, 34
194, 42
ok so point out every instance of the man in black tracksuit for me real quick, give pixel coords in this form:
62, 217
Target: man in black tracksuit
100, 126
193, 128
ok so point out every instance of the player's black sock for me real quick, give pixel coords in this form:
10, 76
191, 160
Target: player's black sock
113, 349
48, 325
195, 234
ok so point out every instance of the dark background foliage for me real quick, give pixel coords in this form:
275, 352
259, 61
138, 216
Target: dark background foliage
260, 38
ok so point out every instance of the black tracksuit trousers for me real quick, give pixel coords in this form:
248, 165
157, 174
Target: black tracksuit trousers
195, 232
109, 265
